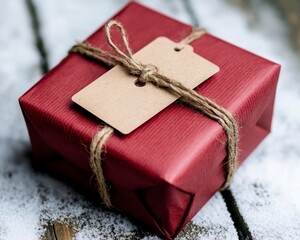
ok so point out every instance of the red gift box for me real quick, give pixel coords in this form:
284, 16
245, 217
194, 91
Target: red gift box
167, 169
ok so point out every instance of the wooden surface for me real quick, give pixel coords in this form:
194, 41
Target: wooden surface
58, 231
263, 202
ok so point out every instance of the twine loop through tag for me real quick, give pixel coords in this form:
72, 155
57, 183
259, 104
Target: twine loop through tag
146, 73
149, 73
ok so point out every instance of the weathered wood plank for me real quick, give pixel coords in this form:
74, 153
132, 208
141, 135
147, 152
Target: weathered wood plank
58, 231
49, 233
63, 231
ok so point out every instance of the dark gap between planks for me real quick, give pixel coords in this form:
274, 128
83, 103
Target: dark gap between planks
189, 9
39, 43
237, 218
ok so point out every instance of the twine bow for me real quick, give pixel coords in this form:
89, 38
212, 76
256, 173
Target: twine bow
147, 73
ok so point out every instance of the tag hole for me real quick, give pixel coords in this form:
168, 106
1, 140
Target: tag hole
139, 83
177, 49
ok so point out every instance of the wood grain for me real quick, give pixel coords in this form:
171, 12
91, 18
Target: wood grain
58, 231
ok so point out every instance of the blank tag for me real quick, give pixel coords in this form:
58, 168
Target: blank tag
117, 100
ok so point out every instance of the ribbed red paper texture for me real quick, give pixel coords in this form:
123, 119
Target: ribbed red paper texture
167, 169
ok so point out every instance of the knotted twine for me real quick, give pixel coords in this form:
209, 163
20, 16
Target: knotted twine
147, 73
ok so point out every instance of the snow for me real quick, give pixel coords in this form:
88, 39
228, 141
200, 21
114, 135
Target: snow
266, 187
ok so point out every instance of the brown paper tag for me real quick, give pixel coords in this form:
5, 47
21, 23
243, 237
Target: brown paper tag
115, 99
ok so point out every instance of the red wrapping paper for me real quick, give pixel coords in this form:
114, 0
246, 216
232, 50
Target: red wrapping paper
166, 170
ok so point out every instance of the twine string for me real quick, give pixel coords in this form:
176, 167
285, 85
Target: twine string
148, 73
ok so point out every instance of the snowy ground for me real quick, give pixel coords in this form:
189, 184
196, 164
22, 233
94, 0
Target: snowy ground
266, 187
